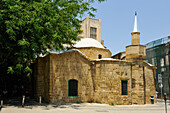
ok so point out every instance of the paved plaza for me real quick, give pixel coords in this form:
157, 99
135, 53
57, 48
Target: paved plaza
88, 108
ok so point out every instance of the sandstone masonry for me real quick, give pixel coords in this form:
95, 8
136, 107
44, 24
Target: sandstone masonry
89, 74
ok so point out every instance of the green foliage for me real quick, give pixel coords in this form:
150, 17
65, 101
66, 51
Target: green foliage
10, 70
29, 27
28, 70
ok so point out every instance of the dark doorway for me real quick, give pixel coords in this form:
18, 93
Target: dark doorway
73, 88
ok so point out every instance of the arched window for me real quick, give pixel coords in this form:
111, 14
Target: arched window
100, 56
73, 88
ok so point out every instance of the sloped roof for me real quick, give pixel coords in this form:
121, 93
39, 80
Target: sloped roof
71, 50
82, 54
88, 42
150, 65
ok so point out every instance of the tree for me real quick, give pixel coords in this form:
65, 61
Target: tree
29, 27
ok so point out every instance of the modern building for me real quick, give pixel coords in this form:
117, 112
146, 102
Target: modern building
158, 54
89, 74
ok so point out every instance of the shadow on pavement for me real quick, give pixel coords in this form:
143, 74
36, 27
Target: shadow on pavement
30, 103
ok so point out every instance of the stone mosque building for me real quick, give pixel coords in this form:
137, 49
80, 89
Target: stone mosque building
89, 74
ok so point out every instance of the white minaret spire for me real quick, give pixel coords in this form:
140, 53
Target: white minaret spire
135, 29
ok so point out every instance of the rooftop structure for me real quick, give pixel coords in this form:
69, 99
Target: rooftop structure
88, 42
158, 42
91, 29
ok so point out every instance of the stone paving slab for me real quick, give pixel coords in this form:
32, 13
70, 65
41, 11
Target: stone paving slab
88, 108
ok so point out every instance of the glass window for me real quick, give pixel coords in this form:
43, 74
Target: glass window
162, 62
124, 87
167, 59
153, 62
93, 32
73, 88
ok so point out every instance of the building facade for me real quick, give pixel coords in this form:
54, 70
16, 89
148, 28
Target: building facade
91, 28
158, 54
89, 74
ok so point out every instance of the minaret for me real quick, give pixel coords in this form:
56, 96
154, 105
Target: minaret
135, 28
135, 34
135, 51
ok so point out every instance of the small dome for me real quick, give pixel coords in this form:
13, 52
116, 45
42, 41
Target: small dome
88, 42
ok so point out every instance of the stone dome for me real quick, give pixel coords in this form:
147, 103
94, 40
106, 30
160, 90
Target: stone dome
88, 42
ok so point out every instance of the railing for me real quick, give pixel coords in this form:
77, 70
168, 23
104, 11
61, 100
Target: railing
158, 42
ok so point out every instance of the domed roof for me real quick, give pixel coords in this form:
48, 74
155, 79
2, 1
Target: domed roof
88, 42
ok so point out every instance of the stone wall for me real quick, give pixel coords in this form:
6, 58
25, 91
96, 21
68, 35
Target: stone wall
41, 74
135, 38
93, 52
150, 83
143, 83
98, 80
107, 77
85, 26
66, 66
137, 84
134, 52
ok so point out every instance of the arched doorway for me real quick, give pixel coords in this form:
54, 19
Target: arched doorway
73, 88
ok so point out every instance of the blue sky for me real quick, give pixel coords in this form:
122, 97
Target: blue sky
117, 17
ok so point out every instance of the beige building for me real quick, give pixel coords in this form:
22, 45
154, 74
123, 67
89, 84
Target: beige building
91, 28
89, 74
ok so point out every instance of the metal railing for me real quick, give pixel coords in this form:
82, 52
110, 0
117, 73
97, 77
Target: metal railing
158, 42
